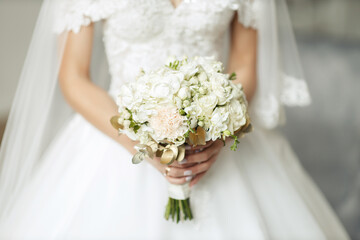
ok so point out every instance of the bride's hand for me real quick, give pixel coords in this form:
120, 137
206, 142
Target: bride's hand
197, 162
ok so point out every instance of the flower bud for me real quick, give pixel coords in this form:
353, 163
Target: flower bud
182, 112
186, 103
193, 123
201, 123
227, 133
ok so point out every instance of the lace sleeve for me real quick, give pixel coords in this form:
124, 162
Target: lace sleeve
248, 11
72, 14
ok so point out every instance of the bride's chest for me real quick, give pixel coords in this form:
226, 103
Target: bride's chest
143, 20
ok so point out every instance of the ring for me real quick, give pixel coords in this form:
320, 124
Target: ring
167, 170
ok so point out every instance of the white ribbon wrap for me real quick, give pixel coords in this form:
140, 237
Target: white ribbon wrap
179, 192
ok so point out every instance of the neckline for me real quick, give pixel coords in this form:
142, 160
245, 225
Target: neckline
175, 7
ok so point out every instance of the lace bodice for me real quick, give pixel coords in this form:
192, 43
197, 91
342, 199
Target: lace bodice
145, 35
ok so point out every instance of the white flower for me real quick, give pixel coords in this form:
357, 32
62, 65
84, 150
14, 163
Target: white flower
207, 103
202, 77
127, 96
219, 120
189, 69
126, 124
202, 90
160, 90
193, 123
184, 93
237, 114
166, 86
194, 81
126, 115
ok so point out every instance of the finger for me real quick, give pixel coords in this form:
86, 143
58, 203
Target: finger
204, 155
191, 171
178, 181
182, 164
196, 179
189, 147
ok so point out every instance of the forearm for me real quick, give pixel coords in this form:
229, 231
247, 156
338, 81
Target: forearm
243, 57
246, 75
95, 105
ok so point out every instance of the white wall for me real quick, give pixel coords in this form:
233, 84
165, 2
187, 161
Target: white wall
334, 18
17, 19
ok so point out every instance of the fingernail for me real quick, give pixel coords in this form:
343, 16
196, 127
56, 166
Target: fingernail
187, 173
183, 161
188, 179
187, 147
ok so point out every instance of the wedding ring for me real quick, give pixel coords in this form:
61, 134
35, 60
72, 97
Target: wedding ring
167, 170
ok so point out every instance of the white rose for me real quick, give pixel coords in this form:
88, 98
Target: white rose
221, 95
237, 114
220, 78
208, 103
189, 69
160, 90
174, 81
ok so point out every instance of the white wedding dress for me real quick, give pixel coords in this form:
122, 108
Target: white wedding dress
87, 188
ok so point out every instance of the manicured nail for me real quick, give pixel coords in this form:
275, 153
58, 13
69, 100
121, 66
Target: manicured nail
183, 161
188, 179
187, 173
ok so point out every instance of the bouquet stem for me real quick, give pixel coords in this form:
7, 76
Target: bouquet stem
178, 210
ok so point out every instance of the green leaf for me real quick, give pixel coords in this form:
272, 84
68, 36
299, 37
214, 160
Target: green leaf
136, 128
232, 76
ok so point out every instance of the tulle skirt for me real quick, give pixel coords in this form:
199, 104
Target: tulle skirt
87, 188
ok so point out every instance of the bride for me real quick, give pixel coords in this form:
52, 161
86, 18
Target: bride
68, 175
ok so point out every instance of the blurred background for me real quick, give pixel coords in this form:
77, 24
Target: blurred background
325, 136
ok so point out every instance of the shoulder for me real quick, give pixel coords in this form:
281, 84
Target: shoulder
70, 15
249, 11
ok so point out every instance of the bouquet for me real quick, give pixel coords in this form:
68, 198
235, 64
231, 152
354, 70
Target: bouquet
187, 101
